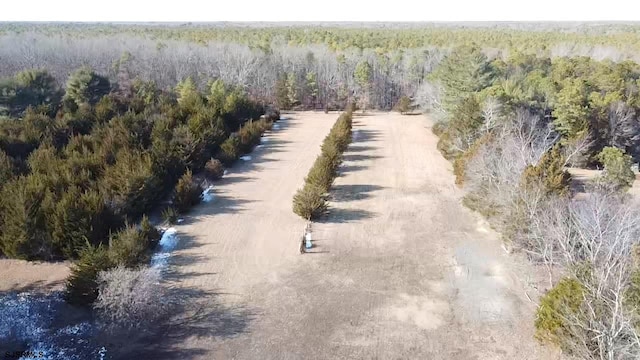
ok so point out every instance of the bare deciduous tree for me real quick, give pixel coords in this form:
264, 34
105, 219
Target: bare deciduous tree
594, 239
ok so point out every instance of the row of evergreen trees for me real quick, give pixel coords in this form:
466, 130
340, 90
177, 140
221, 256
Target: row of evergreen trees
310, 202
77, 165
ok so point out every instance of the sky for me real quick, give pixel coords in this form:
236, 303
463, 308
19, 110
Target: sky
321, 10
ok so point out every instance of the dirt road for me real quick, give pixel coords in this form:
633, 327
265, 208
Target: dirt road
400, 270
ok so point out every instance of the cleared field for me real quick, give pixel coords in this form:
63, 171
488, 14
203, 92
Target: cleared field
400, 269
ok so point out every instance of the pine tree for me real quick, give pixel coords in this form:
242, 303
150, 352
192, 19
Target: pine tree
571, 112
549, 173
187, 193
82, 287
85, 86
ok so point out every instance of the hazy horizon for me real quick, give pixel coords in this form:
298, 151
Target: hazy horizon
327, 11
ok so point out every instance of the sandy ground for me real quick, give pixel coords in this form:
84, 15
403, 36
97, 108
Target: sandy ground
582, 176
400, 269
20, 275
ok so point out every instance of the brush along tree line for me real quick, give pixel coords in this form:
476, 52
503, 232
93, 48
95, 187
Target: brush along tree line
310, 202
512, 127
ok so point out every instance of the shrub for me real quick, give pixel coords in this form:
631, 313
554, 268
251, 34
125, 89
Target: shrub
82, 287
322, 173
76, 218
6, 168
130, 298
617, 168
351, 107
549, 172
309, 203
249, 135
170, 215
229, 150
23, 202
130, 246
272, 114
214, 169
403, 105
555, 306
187, 194
149, 232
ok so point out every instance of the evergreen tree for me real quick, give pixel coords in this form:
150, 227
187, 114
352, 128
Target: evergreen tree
571, 112
549, 173
462, 73
82, 287
84, 86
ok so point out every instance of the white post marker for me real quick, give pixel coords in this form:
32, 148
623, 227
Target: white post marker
307, 238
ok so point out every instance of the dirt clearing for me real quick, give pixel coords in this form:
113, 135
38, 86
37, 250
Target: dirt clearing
399, 270
21, 275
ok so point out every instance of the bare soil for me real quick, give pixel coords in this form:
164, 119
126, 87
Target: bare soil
399, 270
23, 276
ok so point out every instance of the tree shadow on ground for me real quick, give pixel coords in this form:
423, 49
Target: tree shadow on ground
360, 157
39, 286
345, 193
364, 135
350, 168
337, 215
360, 148
196, 317
286, 121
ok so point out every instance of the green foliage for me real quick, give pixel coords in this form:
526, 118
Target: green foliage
363, 74
229, 150
555, 306
322, 173
149, 232
250, 134
130, 246
548, 173
82, 287
292, 89
282, 93
188, 96
617, 168
461, 130
311, 89
462, 73
214, 169
632, 294
309, 203
23, 232
7, 169
571, 112
105, 109
187, 194
36, 88
170, 215
460, 162
76, 219
84, 86
97, 164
